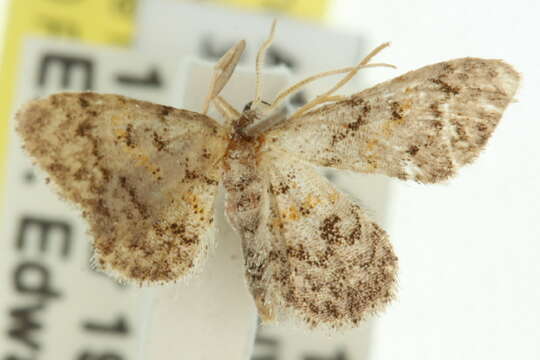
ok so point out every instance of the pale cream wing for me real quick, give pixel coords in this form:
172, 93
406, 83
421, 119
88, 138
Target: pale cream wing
421, 126
311, 253
145, 176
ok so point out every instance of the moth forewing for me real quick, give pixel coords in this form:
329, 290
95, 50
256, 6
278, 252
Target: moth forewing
420, 126
144, 175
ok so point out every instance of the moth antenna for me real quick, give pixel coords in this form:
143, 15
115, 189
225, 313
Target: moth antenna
335, 98
223, 71
225, 109
296, 87
259, 64
321, 98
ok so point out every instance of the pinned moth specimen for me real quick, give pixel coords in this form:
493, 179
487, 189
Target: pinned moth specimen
146, 177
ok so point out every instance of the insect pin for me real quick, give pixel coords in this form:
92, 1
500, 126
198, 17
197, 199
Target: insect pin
146, 177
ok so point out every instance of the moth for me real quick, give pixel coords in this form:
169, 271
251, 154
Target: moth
146, 177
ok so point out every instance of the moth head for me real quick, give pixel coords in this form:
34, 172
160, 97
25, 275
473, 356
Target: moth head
261, 107
258, 118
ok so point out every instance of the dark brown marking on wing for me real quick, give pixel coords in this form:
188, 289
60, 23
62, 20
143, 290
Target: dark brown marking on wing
445, 87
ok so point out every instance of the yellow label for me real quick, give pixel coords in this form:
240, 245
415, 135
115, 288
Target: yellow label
314, 9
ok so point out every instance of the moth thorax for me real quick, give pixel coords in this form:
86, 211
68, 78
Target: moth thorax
257, 118
244, 122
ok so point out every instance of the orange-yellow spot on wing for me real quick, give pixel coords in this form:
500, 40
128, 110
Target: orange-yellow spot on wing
195, 202
142, 160
389, 126
371, 143
191, 199
406, 105
290, 214
311, 201
116, 120
334, 197
120, 133
293, 213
